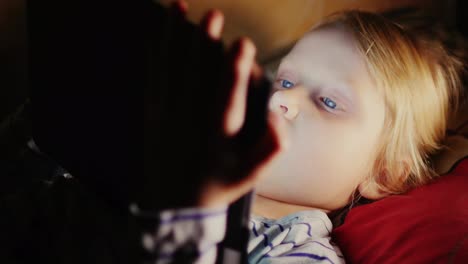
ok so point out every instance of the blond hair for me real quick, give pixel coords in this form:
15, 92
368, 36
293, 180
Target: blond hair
419, 81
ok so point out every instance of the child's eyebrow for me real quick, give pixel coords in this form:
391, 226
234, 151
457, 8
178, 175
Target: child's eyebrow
342, 88
285, 66
341, 91
345, 89
348, 98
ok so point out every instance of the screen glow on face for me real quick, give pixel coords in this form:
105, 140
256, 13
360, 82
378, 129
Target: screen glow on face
325, 100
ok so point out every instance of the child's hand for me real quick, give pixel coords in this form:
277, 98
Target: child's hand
194, 117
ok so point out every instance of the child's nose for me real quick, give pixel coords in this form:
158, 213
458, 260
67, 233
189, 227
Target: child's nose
283, 103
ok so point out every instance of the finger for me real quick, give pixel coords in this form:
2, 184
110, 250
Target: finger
273, 145
179, 8
213, 23
257, 72
261, 160
243, 55
275, 142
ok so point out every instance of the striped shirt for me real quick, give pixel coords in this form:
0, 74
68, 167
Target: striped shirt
302, 237
196, 230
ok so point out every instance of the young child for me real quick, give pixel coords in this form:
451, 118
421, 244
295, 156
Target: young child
365, 104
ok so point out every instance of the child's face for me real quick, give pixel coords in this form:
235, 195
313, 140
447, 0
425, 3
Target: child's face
335, 115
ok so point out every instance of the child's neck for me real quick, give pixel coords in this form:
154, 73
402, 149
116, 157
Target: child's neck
274, 209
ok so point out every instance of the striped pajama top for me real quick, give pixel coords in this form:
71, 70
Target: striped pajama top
302, 237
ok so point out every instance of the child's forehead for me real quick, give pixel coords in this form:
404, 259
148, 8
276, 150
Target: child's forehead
325, 45
328, 34
325, 52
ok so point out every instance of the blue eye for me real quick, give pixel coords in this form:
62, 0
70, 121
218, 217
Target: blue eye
329, 102
286, 84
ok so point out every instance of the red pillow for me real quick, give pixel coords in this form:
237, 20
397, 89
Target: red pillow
426, 225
